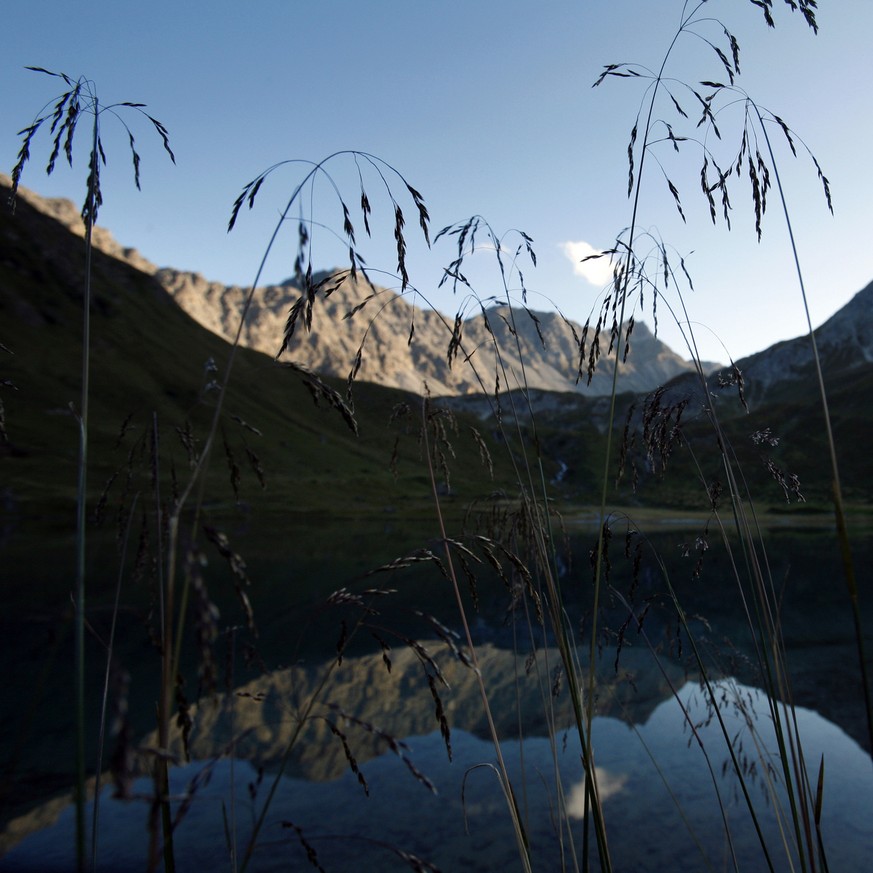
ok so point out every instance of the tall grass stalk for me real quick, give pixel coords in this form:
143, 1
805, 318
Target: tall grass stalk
173, 632
544, 545
622, 288
81, 99
530, 480
769, 631
503, 773
176, 596
110, 654
836, 487
81, 498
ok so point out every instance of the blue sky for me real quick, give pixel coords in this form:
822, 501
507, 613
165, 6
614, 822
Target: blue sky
486, 108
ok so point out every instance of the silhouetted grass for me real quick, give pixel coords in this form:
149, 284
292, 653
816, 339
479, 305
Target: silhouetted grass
81, 100
489, 487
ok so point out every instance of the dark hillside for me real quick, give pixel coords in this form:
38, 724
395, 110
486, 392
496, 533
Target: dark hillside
781, 429
152, 363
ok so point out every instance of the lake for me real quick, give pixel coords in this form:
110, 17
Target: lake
669, 793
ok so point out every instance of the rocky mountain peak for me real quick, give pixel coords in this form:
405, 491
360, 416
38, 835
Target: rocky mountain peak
394, 343
844, 341
390, 341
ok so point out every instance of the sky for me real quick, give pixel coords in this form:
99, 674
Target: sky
486, 108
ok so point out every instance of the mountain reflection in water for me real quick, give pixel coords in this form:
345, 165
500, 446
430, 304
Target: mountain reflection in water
648, 828
639, 725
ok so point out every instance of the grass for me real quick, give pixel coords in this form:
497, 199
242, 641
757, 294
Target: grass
150, 357
217, 434
661, 420
81, 100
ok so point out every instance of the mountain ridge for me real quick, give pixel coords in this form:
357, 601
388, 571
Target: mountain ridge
41, 293
407, 347
844, 342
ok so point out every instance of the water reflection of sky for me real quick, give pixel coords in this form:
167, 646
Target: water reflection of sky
659, 796
638, 722
647, 829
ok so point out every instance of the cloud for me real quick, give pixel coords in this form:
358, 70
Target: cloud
597, 272
608, 785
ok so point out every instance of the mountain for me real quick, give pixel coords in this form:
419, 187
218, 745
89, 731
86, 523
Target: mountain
404, 346
151, 355
152, 382
775, 426
844, 342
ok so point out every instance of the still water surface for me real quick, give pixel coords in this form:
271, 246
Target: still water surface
669, 796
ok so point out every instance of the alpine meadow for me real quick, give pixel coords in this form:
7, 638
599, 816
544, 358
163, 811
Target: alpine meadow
318, 573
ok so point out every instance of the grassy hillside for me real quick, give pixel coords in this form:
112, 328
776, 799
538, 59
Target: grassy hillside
782, 434
151, 363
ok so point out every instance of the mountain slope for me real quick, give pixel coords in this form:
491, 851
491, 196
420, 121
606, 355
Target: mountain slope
151, 369
404, 345
844, 341
779, 430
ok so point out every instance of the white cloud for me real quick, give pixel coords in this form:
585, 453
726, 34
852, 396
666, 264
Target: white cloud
597, 271
608, 785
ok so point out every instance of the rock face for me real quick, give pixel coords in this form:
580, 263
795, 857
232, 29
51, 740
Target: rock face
67, 213
844, 341
402, 345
